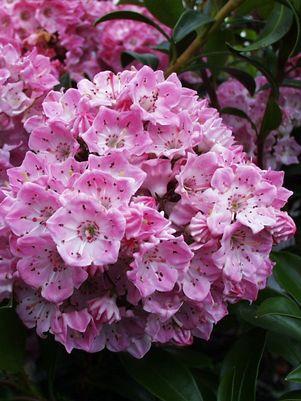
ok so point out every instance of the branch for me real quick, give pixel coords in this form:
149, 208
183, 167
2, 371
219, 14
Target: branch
199, 41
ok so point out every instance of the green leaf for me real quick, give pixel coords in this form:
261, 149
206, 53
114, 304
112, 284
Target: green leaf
240, 368
65, 82
163, 376
243, 77
131, 15
294, 375
288, 273
291, 396
189, 21
135, 2
128, 388
277, 25
167, 11
238, 113
295, 10
271, 120
144, 58
280, 323
163, 47
191, 358
289, 349
292, 83
250, 5
257, 63
280, 315
279, 306
12, 341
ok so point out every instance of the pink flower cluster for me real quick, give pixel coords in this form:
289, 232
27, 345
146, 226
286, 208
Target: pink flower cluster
65, 31
24, 81
134, 218
281, 147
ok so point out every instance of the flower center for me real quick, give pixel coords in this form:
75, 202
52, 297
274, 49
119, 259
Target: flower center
62, 151
88, 231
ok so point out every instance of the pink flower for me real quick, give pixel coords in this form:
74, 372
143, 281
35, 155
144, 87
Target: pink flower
31, 210
116, 130
34, 310
53, 142
157, 266
243, 253
91, 236
243, 196
42, 268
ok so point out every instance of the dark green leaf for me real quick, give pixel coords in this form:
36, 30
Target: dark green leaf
292, 83
65, 82
189, 21
291, 396
289, 349
272, 118
293, 6
129, 388
280, 315
240, 368
279, 306
295, 375
288, 273
135, 2
260, 67
131, 15
250, 5
167, 11
163, 47
164, 376
278, 24
191, 358
277, 323
216, 50
243, 77
12, 341
145, 59
238, 113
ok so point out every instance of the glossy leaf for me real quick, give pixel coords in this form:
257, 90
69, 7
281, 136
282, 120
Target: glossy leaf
272, 118
295, 10
279, 306
257, 63
277, 25
238, 113
288, 348
135, 2
250, 5
292, 83
130, 15
276, 323
191, 358
129, 388
295, 375
163, 376
240, 368
291, 396
243, 77
288, 273
12, 341
167, 11
145, 59
189, 21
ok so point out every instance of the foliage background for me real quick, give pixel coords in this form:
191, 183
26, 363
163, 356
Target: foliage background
254, 353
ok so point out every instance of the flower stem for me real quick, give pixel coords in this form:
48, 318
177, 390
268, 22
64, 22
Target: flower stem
201, 39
